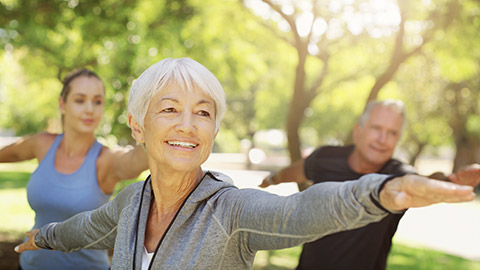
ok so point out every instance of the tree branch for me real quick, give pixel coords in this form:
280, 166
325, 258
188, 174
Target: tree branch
289, 20
269, 27
313, 90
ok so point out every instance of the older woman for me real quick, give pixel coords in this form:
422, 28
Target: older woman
182, 217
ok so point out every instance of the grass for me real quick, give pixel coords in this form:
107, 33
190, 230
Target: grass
16, 217
401, 257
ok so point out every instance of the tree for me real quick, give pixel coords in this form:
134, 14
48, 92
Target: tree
320, 31
113, 38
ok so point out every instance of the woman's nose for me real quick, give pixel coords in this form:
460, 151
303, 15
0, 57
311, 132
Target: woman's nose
89, 107
185, 123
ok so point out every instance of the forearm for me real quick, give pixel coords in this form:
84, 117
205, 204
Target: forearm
18, 151
82, 231
326, 208
293, 173
94, 229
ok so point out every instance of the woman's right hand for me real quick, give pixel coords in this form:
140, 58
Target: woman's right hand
412, 190
29, 244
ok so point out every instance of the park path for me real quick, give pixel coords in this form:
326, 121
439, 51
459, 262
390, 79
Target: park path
450, 228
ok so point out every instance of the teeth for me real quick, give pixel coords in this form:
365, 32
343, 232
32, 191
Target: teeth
182, 144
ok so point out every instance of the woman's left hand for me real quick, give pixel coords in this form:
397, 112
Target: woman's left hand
29, 244
408, 191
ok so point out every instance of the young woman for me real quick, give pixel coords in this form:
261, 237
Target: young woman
75, 172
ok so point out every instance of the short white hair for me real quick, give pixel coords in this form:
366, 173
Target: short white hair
186, 74
393, 104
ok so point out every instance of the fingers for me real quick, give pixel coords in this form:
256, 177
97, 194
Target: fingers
453, 178
419, 185
416, 191
29, 244
21, 248
264, 183
267, 181
469, 177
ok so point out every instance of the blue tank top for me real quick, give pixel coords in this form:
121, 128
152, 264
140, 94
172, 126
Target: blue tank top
54, 197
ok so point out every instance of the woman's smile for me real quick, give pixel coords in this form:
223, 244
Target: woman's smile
182, 144
179, 128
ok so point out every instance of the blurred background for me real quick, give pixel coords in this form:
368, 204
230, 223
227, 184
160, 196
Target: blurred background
297, 74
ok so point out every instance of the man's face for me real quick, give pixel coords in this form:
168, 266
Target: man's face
376, 140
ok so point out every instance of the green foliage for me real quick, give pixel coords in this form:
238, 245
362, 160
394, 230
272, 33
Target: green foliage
406, 258
26, 102
401, 257
40, 41
226, 142
473, 124
13, 180
115, 38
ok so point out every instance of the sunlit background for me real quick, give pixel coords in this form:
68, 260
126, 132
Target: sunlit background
296, 73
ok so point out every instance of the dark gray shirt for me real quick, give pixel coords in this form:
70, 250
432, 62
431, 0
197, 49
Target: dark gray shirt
364, 248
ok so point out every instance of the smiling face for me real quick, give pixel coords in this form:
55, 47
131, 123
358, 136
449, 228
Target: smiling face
83, 107
179, 129
376, 140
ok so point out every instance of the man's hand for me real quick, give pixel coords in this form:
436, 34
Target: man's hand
268, 181
415, 191
29, 244
469, 175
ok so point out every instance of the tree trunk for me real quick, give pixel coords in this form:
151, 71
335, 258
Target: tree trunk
416, 154
297, 107
468, 151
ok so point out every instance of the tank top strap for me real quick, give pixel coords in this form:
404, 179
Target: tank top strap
53, 149
90, 162
92, 154
94, 151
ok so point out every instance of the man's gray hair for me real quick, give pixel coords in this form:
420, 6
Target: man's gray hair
185, 74
393, 104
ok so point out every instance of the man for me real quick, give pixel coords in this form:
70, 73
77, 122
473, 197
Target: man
375, 137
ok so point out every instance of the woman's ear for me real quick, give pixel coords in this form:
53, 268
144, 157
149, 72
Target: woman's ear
137, 130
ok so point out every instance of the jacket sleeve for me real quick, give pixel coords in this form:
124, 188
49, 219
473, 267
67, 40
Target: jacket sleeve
95, 229
268, 221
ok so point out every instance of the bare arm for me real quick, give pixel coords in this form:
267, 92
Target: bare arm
293, 173
128, 164
24, 149
121, 164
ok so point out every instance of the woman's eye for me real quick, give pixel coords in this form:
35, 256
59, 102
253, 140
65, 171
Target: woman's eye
98, 102
168, 110
79, 101
204, 113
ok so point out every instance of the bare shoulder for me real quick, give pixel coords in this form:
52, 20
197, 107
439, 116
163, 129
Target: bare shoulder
41, 143
44, 137
107, 157
111, 166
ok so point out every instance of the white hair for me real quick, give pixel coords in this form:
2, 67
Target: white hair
186, 74
393, 104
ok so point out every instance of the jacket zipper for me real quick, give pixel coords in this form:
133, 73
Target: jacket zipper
169, 225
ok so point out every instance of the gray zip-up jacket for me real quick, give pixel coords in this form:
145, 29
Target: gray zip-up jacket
218, 226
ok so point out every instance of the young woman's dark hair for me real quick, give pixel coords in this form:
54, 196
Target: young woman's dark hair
71, 76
